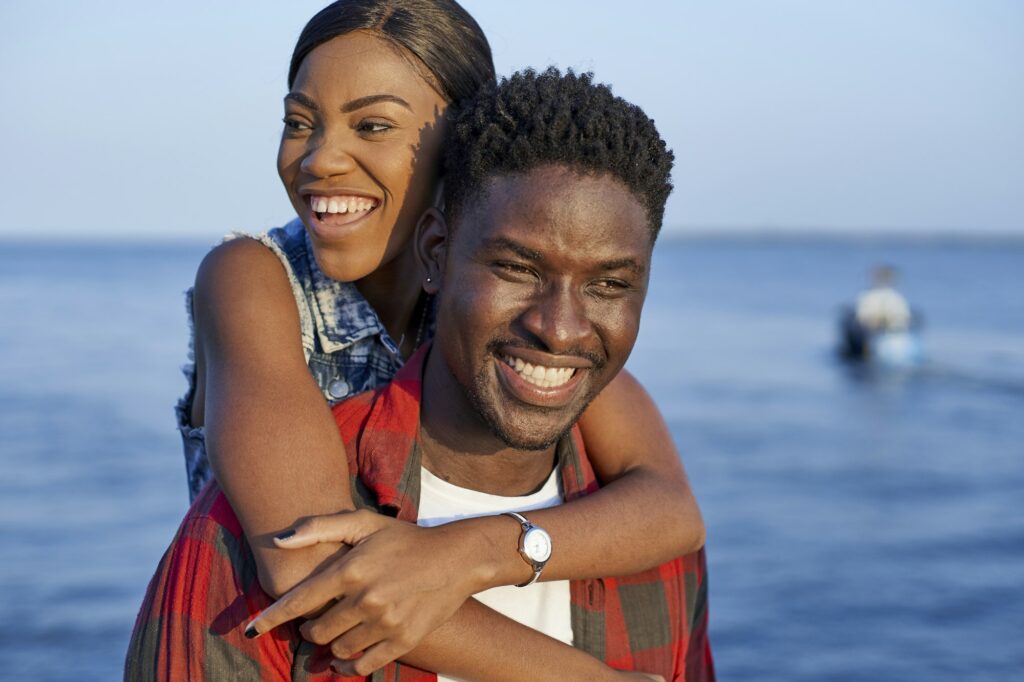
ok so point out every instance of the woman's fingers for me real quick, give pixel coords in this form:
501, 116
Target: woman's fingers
356, 641
347, 527
310, 595
331, 625
374, 658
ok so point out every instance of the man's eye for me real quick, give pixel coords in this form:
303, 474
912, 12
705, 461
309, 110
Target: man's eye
513, 268
609, 287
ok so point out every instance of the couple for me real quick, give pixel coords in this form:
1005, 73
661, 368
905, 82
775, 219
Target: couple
533, 276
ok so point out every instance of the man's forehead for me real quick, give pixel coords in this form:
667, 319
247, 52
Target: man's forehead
553, 208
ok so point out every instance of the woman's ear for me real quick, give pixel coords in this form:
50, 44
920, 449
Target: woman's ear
432, 247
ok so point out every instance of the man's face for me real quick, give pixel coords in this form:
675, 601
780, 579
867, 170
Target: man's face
542, 287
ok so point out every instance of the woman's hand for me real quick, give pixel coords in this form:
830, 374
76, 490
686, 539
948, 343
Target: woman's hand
397, 584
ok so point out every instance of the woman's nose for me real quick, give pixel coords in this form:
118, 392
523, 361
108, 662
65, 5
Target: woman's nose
559, 320
327, 155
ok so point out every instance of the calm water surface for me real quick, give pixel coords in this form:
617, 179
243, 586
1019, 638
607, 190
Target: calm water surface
860, 527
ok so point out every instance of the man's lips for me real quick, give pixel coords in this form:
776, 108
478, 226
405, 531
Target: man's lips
541, 379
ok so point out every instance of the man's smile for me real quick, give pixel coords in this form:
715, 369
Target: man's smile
539, 375
541, 379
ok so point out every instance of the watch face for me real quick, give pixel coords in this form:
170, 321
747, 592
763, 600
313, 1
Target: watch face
537, 545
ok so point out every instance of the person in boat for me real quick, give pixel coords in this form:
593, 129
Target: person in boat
882, 307
539, 264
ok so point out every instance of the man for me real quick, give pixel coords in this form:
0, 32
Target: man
882, 307
555, 192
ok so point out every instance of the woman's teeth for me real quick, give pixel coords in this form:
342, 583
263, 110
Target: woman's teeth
341, 204
538, 375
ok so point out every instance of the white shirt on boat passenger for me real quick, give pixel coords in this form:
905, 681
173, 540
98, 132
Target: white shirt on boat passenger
883, 308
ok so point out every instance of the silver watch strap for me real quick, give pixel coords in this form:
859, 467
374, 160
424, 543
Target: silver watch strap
526, 525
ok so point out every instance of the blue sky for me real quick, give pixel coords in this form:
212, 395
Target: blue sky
151, 121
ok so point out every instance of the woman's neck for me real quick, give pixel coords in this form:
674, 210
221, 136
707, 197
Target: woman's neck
393, 290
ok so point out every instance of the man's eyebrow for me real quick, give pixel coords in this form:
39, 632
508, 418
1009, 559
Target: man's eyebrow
623, 264
361, 102
498, 243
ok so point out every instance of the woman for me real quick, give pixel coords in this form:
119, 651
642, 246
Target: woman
369, 83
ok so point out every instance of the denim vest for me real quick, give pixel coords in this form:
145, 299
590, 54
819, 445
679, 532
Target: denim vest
346, 346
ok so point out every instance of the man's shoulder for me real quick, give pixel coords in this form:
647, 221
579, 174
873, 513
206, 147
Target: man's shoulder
393, 406
210, 520
351, 414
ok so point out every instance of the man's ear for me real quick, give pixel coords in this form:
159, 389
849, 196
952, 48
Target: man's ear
432, 247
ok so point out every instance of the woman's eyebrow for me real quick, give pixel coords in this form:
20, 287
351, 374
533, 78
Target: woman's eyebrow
350, 106
302, 99
361, 102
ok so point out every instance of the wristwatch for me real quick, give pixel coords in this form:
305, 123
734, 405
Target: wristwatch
534, 546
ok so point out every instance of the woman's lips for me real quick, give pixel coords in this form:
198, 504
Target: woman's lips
332, 214
340, 204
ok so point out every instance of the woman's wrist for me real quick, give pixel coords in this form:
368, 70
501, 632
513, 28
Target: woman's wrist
488, 548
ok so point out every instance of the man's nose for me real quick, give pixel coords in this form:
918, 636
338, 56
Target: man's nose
327, 155
558, 318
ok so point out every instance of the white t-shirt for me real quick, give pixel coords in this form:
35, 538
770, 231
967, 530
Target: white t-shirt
543, 606
883, 308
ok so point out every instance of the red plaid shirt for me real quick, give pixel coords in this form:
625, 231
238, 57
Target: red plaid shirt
205, 589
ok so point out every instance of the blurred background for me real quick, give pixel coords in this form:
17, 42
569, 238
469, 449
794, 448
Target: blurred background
865, 521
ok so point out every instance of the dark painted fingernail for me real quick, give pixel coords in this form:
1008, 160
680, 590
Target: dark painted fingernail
251, 632
285, 535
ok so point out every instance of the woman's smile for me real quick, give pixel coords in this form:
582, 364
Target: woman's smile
336, 216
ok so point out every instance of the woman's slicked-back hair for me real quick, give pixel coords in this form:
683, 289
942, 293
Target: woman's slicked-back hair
439, 33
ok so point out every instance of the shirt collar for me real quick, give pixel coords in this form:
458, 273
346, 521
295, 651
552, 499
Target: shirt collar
389, 456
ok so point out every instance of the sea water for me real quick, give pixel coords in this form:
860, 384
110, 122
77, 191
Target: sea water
861, 525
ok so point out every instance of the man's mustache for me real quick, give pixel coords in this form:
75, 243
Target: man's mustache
495, 345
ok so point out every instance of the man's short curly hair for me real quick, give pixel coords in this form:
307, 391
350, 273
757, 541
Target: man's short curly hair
537, 119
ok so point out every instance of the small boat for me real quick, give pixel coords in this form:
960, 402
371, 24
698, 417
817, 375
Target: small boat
896, 348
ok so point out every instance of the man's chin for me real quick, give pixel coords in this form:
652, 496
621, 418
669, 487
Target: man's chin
530, 444
525, 432
520, 425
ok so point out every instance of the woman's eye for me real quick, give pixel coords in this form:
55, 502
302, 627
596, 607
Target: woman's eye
374, 127
294, 125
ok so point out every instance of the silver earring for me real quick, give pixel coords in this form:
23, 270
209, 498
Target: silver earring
429, 280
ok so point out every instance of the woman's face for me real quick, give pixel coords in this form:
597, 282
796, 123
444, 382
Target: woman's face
359, 151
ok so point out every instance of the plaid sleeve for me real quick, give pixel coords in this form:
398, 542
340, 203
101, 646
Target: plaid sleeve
699, 665
191, 623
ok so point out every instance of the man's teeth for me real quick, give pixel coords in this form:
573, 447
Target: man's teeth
341, 204
545, 377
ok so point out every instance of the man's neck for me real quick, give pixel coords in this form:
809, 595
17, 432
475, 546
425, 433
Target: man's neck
460, 448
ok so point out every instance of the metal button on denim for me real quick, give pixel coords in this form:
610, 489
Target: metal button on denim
338, 388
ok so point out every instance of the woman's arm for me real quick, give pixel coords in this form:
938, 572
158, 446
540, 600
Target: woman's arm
271, 439
493, 648
644, 516
646, 510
